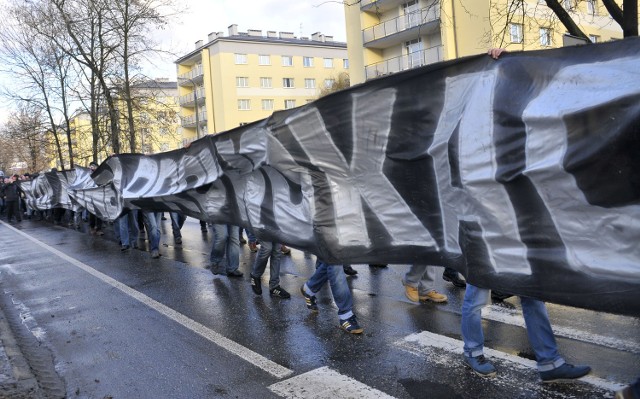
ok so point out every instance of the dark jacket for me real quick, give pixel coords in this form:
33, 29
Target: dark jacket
12, 192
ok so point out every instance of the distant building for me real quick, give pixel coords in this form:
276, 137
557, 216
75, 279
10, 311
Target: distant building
388, 36
245, 76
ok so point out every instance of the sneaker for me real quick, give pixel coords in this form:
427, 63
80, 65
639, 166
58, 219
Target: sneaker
284, 250
178, 240
125, 248
310, 300
235, 273
480, 365
279, 292
253, 247
155, 254
411, 293
255, 285
433, 296
351, 325
565, 372
349, 271
454, 278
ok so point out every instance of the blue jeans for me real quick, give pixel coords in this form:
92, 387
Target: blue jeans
152, 223
420, 277
128, 222
338, 283
268, 249
226, 242
177, 221
536, 319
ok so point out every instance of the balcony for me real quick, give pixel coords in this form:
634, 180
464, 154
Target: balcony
403, 28
191, 78
402, 63
189, 101
380, 6
190, 121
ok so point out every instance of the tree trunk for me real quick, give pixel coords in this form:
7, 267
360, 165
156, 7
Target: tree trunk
630, 18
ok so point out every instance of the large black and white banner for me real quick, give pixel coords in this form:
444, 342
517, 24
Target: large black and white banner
521, 173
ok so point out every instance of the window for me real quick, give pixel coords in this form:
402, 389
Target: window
594, 38
307, 61
241, 58
162, 116
289, 104
545, 37
244, 105
264, 59
267, 105
265, 83
414, 53
287, 60
164, 147
242, 81
287, 82
163, 131
328, 62
328, 83
411, 11
345, 63
516, 33
309, 83
592, 7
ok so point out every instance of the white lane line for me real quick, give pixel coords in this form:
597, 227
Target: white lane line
325, 383
514, 317
418, 342
225, 343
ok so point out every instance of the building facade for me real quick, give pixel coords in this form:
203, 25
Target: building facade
246, 76
389, 36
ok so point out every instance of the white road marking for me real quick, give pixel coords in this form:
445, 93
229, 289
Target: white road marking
205, 332
420, 342
514, 317
325, 383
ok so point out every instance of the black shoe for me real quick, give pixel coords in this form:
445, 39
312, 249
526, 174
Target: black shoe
235, 273
125, 248
310, 300
349, 271
454, 279
255, 285
279, 292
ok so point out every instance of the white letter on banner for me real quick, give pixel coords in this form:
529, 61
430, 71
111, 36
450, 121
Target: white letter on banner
603, 240
363, 178
468, 105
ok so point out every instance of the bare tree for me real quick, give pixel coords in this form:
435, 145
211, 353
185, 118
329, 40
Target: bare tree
335, 83
25, 135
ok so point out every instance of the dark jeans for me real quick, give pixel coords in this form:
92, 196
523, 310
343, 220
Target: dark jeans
13, 209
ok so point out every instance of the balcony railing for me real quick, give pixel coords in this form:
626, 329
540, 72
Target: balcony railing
404, 62
401, 23
189, 101
190, 121
194, 75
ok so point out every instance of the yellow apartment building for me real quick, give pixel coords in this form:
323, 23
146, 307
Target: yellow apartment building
156, 125
388, 36
245, 76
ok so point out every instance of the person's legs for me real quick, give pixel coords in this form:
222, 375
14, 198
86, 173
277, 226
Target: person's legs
123, 227
152, 222
134, 230
340, 291
233, 251
474, 300
274, 266
259, 265
426, 292
411, 281
318, 279
218, 247
177, 220
540, 334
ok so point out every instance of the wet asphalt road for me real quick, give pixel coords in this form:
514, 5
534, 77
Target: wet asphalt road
122, 325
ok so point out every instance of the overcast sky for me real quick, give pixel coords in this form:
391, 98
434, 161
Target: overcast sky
302, 17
